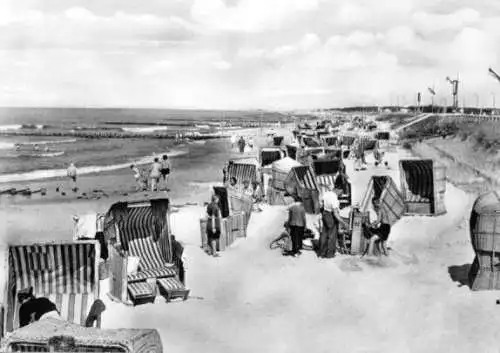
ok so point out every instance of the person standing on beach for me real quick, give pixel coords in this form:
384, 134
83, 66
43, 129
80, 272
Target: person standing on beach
72, 172
165, 170
241, 144
137, 177
233, 140
155, 174
330, 220
213, 224
177, 252
297, 224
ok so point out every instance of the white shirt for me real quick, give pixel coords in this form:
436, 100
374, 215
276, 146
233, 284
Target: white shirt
373, 217
330, 201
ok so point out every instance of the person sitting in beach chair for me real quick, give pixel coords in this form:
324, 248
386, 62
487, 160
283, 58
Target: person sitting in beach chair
376, 231
34, 309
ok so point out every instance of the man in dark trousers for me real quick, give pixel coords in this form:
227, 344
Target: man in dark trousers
297, 223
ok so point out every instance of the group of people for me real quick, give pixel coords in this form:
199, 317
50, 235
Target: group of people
151, 178
376, 227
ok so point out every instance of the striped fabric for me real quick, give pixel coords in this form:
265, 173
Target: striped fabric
136, 233
147, 274
305, 178
140, 290
242, 172
324, 180
391, 201
64, 273
417, 177
171, 284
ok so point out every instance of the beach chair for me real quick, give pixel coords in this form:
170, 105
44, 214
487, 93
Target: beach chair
141, 231
423, 186
65, 273
52, 335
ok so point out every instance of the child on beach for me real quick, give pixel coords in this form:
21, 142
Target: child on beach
155, 174
137, 177
72, 172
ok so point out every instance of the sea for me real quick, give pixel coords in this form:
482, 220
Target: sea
26, 158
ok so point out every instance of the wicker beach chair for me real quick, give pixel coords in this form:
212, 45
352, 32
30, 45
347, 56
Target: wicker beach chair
65, 273
142, 231
53, 335
423, 186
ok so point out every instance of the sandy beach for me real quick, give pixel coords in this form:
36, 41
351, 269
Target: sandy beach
253, 299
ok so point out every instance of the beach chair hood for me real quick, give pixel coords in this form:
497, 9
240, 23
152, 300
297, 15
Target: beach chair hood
385, 189
65, 273
243, 172
280, 170
423, 181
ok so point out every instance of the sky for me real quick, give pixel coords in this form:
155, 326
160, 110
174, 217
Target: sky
246, 54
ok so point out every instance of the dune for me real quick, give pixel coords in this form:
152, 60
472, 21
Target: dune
252, 299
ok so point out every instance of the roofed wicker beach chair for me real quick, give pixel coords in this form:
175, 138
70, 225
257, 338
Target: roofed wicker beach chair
53, 335
302, 182
423, 186
65, 273
139, 230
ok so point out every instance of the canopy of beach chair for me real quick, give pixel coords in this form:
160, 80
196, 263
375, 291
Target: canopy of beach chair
66, 273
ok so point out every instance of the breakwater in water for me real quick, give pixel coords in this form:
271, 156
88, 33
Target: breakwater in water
111, 134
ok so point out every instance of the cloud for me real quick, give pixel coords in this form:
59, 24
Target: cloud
429, 23
80, 28
243, 53
250, 15
222, 65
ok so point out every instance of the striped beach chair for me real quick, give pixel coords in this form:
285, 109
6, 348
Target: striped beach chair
302, 182
242, 172
143, 233
65, 273
423, 185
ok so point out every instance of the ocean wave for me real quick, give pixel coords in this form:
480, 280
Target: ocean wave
6, 145
57, 173
50, 142
33, 126
144, 129
10, 127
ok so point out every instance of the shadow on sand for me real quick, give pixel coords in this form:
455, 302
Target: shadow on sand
460, 274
